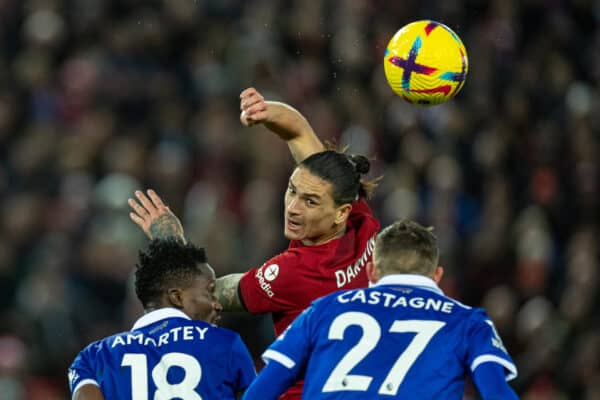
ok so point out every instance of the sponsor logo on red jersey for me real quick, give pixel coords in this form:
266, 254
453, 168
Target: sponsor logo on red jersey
271, 272
264, 277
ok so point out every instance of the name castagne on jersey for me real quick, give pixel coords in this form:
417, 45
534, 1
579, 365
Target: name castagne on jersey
393, 300
176, 334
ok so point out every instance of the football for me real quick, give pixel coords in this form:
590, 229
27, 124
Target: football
426, 63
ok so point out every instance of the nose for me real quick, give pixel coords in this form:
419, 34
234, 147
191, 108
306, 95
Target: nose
292, 205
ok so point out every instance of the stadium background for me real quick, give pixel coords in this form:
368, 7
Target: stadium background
99, 98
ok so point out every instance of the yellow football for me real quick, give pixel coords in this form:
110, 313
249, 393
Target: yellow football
426, 63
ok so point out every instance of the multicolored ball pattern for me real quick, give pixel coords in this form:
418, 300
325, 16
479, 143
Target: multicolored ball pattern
426, 63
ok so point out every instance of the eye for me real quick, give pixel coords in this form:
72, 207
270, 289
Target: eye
291, 189
311, 202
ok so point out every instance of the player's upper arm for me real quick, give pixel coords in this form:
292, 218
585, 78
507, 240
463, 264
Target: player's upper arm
485, 346
304, 146
489, 379
275, 286
88, 392
290, 125
82, 374
272, 381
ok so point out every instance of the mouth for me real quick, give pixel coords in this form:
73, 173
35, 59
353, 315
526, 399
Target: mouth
292, 225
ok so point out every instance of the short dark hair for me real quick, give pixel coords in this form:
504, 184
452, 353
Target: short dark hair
406, 247
344, 172
167, 263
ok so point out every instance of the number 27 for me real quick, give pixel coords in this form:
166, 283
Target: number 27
341, 380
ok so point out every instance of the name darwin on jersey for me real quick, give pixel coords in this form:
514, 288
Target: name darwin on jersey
392, 300
183, 333
345, 275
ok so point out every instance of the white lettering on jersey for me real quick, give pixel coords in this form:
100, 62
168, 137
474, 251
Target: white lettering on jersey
185, 333
345, 275
496, 340
392, 300
264, 285
73, 376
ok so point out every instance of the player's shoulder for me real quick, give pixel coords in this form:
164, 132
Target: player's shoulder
478, 314
470, 315
102, 345
289, 257
285, 264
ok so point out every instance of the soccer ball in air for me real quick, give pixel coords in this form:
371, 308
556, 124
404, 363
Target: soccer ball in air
426, 63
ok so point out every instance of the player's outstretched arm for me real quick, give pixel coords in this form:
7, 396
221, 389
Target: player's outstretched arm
282, 119
88, 392
226, 291
158, 221
154, 217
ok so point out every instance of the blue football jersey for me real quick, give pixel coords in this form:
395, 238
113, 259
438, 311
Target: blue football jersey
402, 338
166, 356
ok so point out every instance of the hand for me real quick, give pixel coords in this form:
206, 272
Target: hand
254, 107
156, 220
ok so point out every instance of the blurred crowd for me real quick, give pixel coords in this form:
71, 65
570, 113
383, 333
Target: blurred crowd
99, 98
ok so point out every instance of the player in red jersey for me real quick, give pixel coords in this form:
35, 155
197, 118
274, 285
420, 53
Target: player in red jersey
330, 226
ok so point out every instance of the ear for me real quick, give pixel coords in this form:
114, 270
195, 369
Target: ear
175, 296
437, 274
372, 273
342, 213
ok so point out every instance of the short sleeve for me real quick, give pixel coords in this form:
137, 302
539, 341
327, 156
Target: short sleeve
485, 345
82, 371
241, 365
268, 288
293, 347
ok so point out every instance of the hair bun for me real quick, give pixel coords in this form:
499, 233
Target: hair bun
361, 164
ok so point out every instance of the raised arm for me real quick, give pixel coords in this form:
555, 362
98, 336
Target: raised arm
154, 217
283, 120
158, 221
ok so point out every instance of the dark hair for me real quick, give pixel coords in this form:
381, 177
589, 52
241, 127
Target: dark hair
166, 263
344, 172
406, 247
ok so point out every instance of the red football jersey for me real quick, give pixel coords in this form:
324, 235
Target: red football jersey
287, 283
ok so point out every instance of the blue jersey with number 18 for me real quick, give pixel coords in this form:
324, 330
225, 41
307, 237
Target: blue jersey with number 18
166, 356
402, 338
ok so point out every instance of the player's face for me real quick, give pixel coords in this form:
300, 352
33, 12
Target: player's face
311, 215
199, 301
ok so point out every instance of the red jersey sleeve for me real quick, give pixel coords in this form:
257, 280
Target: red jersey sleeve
268, 288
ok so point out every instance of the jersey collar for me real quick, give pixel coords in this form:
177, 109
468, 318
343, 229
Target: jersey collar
157, 315
420, 281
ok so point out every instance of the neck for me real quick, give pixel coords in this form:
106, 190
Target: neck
337, 233
153, 306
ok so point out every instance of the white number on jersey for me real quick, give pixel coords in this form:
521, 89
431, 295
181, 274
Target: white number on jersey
164, 390
341, 380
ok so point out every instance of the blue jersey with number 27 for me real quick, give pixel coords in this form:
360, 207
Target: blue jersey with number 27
402, 338
166, 356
